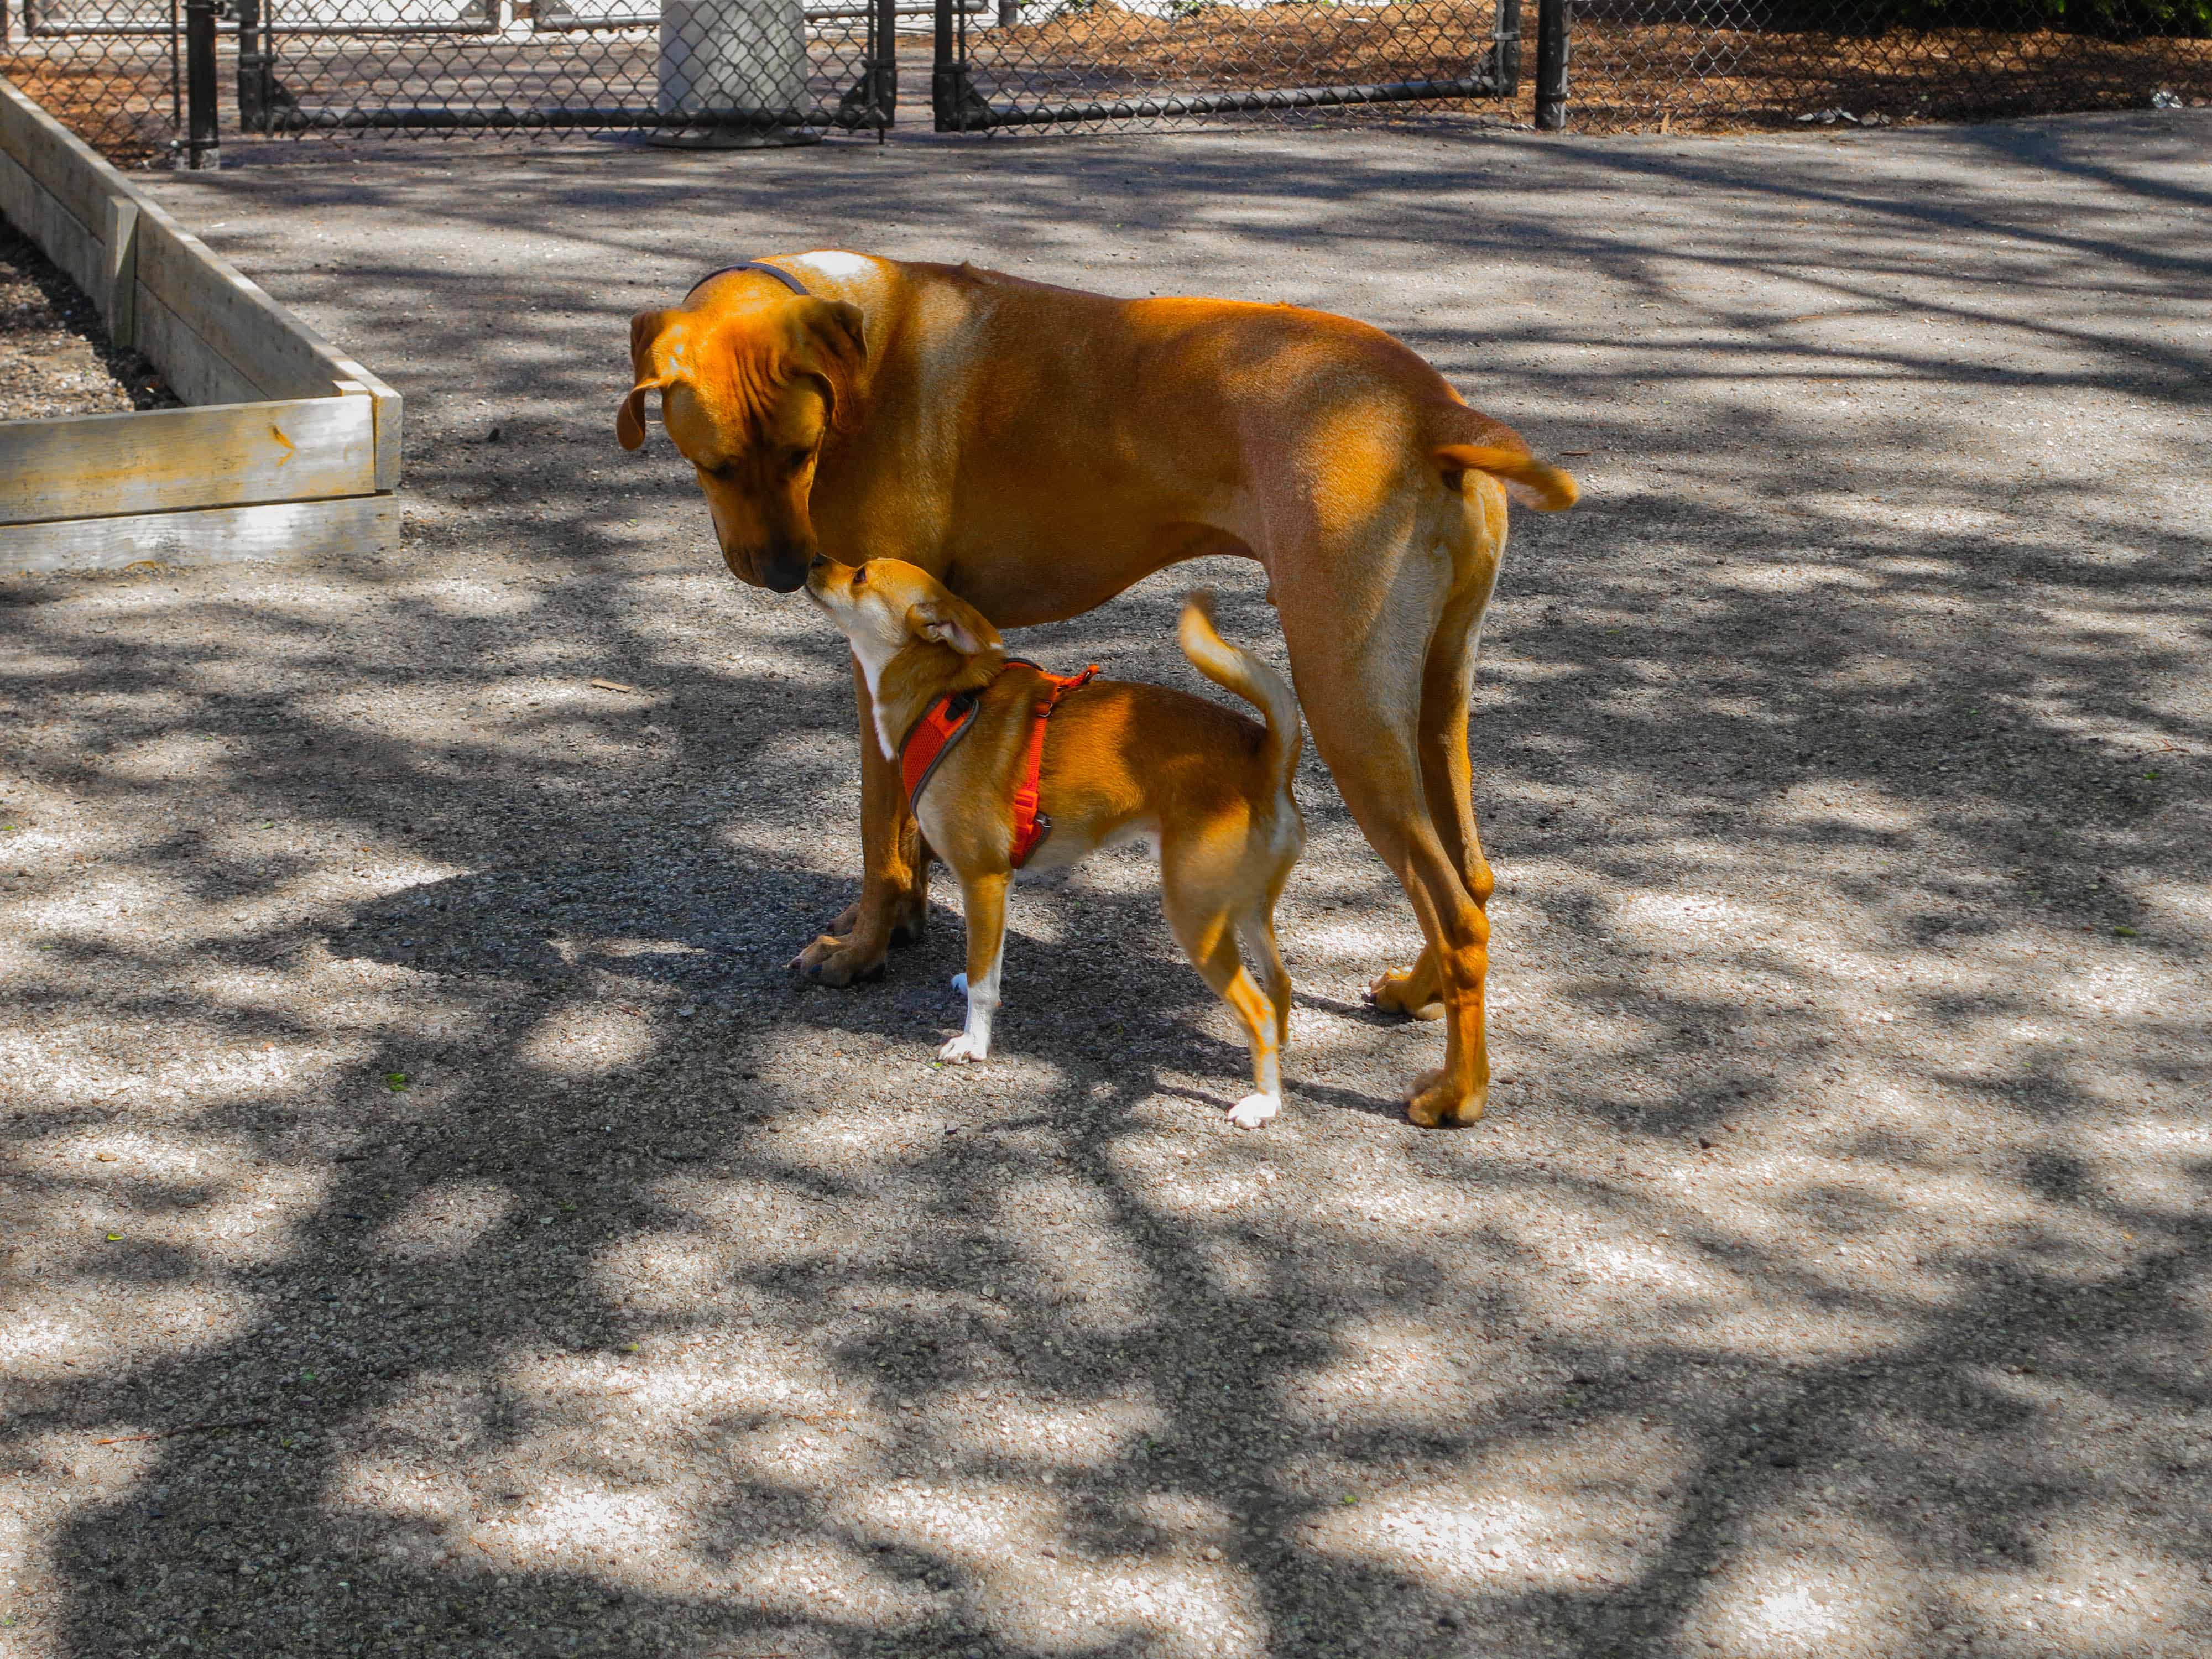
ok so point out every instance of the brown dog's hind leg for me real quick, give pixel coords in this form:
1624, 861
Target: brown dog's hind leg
1368, 725
1448, 784
1417, 992
895, 873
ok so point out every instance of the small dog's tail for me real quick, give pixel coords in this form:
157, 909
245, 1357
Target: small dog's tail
1235, 669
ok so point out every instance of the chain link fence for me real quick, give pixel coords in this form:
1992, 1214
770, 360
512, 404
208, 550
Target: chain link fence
112, 69
145, 79
1094, 62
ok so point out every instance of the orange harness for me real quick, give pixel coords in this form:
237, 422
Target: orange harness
945, 721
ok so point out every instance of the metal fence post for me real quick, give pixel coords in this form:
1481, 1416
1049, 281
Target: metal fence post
1506, 32
1551, 24
953, 99
200, 148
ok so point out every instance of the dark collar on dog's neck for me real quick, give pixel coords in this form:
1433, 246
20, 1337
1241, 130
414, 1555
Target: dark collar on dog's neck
776, 272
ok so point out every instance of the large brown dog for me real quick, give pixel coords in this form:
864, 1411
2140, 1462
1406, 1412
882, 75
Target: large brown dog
1038, 450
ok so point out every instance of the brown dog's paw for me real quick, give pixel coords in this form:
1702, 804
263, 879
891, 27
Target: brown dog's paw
831, 960
909, 923
1431, 1104
1403, 991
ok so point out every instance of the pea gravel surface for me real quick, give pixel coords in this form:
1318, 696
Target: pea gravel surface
437, 1224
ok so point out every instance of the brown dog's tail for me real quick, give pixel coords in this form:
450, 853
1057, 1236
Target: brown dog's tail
1529, 481
1475, 443
1235, 669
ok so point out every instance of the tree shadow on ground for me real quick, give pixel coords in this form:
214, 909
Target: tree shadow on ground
1829, 1280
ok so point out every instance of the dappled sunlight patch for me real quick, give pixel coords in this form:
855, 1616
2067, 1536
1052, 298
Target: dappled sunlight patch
1582, 1508
1031, 1584
1800, 575
746, 1220
585, 1040
445, 1222
1848, 802
50, 1479
1080, 1257
753, 1381
1770, 1604
1095, 1433
209, 1197
74, 1329
1396, 1369
677, 1274
812, 1577
594, 1527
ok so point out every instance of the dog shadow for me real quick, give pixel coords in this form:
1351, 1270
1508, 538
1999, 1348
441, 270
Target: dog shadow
1124, 999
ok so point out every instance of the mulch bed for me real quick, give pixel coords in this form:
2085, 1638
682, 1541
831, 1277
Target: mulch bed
55, 357
1622, 75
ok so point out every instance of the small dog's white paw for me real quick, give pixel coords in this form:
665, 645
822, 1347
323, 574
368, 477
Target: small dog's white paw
1252, 1110
960, 985
965, 1048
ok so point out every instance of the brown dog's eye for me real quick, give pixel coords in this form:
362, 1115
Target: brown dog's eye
795, 460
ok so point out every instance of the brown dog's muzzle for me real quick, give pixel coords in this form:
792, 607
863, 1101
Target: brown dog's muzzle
780, 569
767, 549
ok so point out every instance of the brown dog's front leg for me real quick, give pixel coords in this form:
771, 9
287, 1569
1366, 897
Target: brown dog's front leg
894, 902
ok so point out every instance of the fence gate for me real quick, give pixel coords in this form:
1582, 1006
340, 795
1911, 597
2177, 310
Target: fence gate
719, 71
1059, 63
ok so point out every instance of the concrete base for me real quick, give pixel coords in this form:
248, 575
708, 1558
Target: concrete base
775, 138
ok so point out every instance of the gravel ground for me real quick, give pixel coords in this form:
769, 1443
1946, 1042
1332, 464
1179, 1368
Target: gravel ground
437, 1224
55, 357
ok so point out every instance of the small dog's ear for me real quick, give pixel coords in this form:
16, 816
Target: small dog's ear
948, 621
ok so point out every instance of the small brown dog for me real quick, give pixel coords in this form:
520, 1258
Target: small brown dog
1012, 768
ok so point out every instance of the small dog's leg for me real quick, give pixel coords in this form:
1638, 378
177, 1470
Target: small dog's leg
1259, 1016
1207, 939
984, 898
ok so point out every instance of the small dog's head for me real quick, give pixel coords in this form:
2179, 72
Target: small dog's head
751, 385
886, 606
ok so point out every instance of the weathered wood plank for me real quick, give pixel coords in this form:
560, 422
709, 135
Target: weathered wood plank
270, 348
39, 213
196, 371
118, 293
69, 168
17, 192
216, 336
218, 535
165, 459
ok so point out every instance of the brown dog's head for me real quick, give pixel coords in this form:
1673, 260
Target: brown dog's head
751, 385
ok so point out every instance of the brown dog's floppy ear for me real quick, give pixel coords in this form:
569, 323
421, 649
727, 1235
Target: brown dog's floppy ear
834, 347
645, 332
1529, 481
952, 621
629, 419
